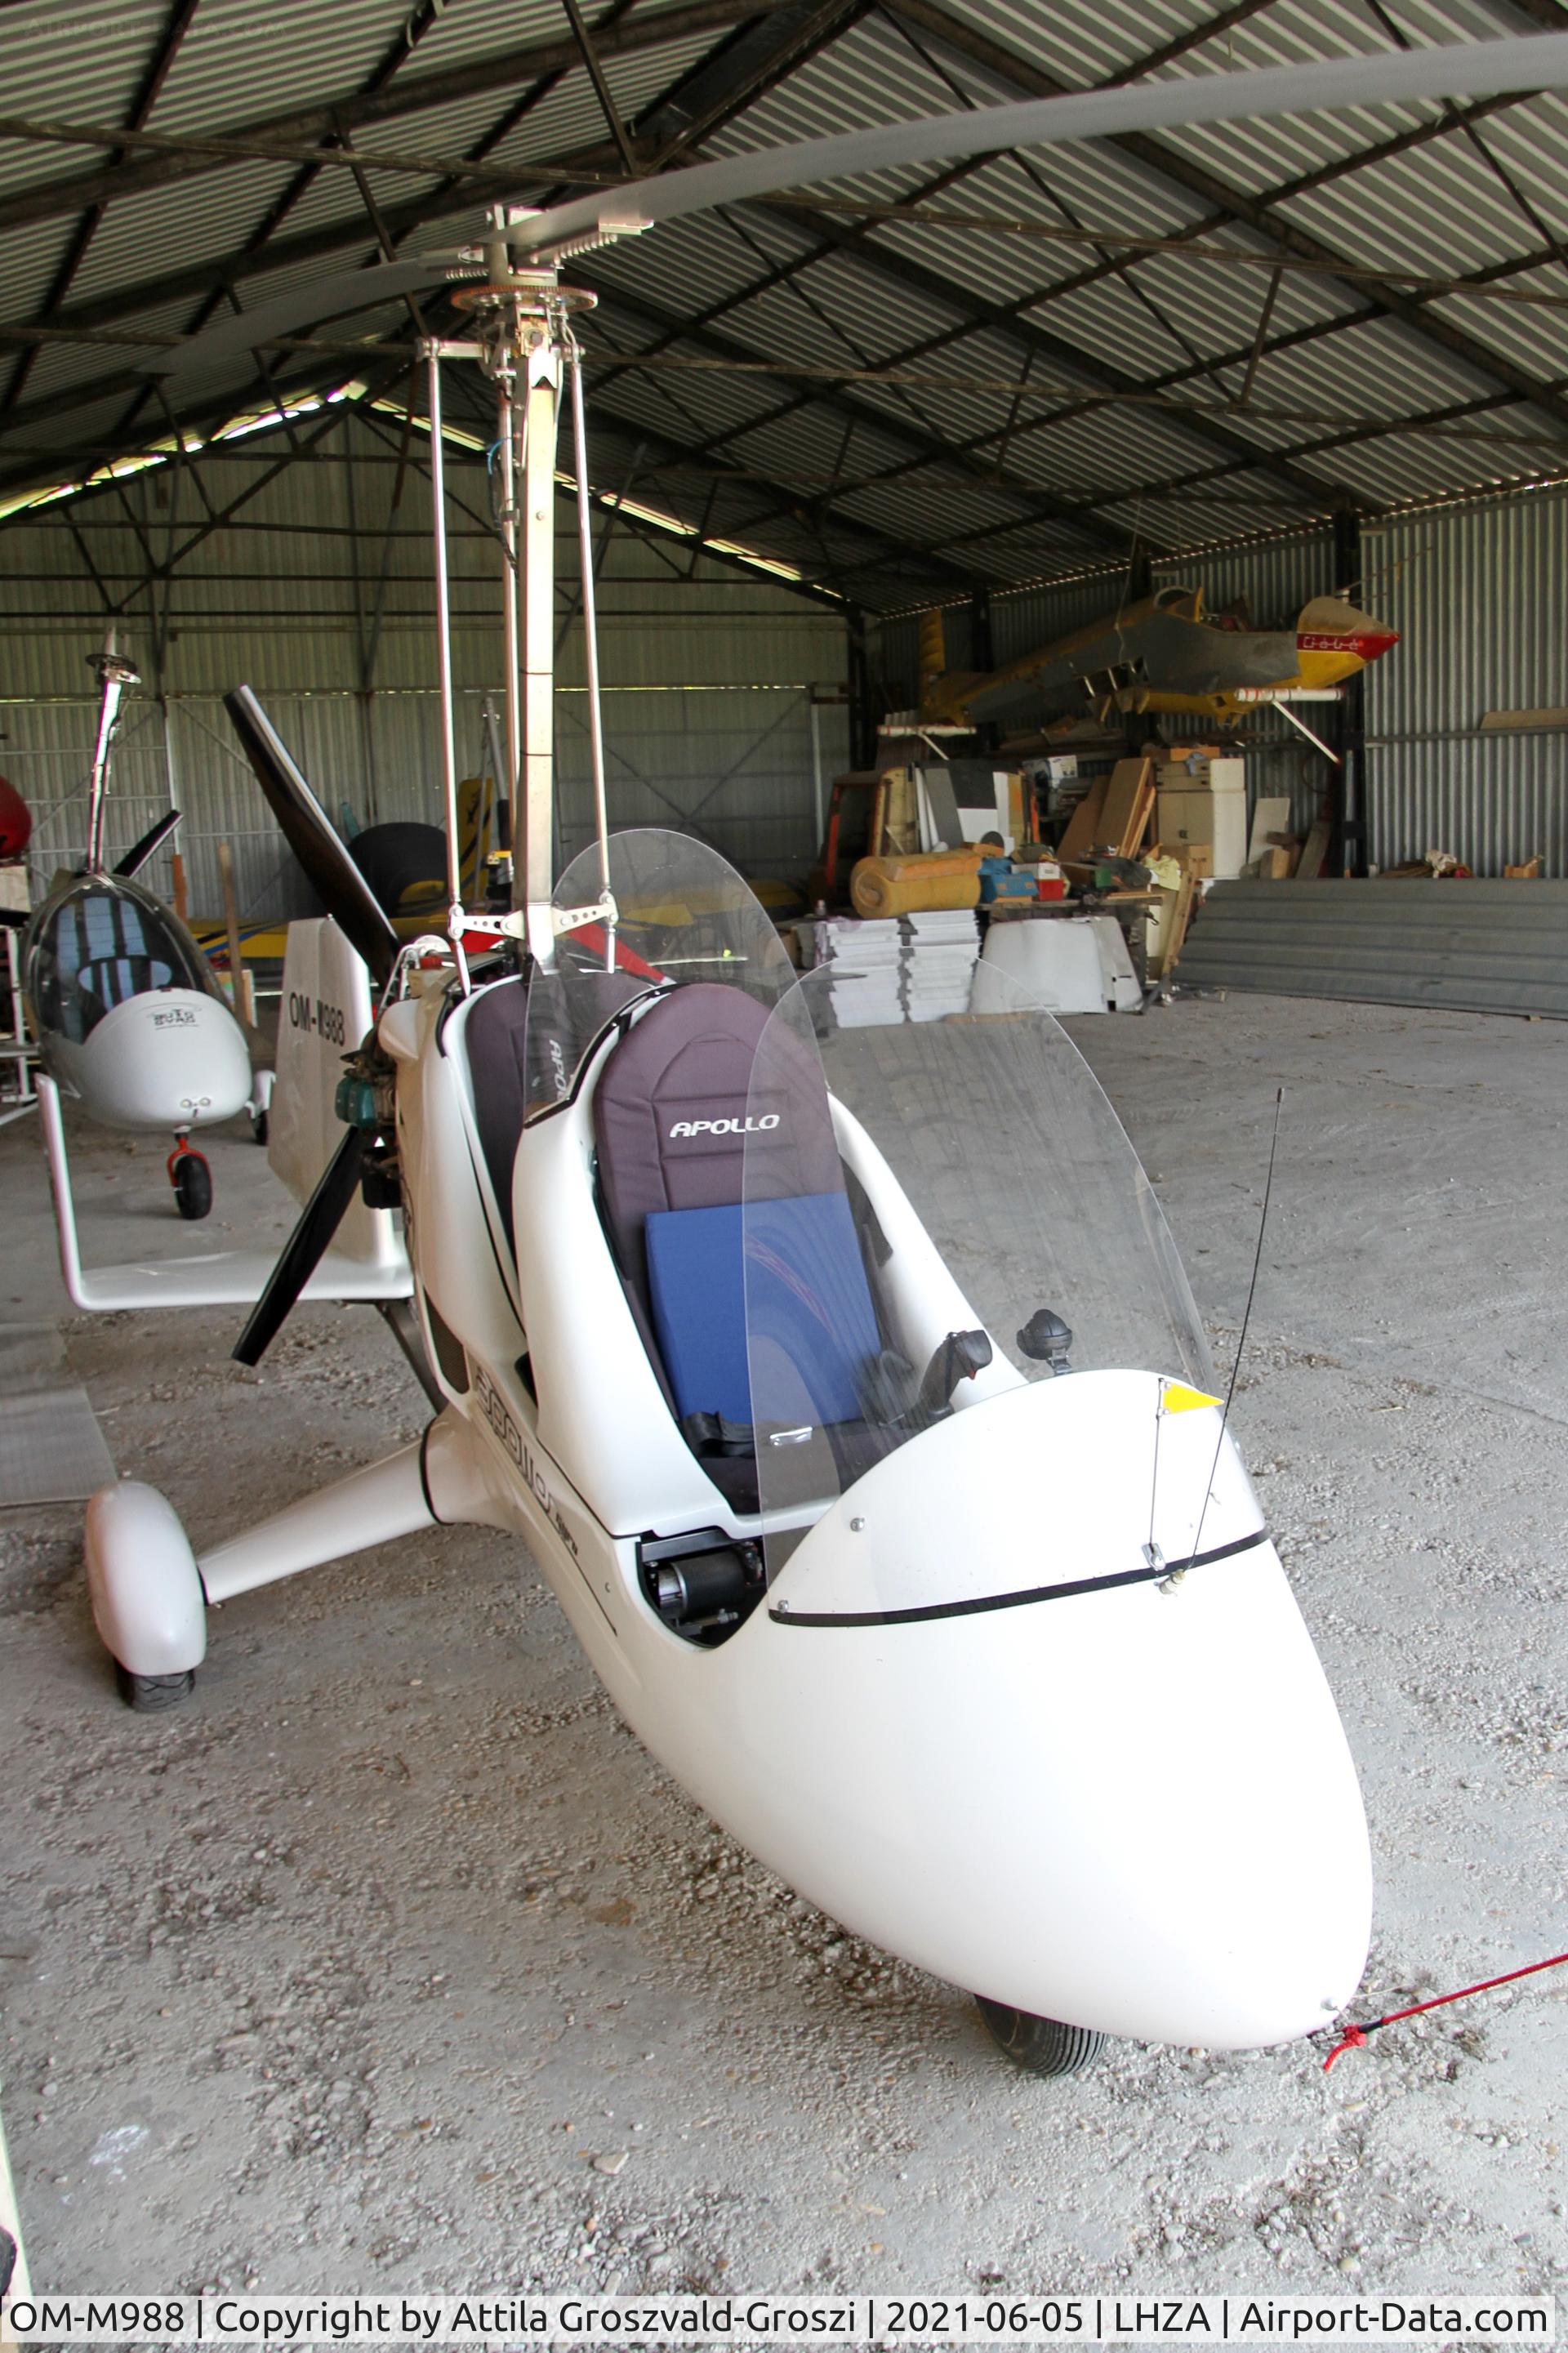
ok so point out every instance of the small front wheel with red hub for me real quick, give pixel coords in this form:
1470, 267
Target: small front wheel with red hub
193, 1182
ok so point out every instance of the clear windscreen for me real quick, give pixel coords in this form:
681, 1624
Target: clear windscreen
981, 1219
102, 941
682, 914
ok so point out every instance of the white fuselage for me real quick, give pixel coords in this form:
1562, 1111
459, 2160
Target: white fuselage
167, 1059
1128, 1809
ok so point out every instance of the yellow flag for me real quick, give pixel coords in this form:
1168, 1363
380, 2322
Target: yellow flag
1179, 1399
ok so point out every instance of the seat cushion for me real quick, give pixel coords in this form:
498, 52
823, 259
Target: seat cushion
792, 1270
671, 1113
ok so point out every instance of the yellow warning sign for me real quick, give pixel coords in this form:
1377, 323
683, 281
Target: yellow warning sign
1179, 1399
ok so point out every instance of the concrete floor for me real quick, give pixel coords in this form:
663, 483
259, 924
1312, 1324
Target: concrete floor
343, 1977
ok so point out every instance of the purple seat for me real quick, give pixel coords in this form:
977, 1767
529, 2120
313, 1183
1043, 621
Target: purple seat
671, 1117
681, 1126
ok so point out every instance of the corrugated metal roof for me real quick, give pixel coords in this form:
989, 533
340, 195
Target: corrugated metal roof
1060, 470
292, 53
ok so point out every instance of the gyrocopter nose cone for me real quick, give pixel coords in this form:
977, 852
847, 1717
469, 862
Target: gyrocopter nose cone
1006, 1749
168, 1058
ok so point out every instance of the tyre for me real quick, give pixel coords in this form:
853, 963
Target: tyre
258, 1127
1041, 2046
193, 1186
152, 1694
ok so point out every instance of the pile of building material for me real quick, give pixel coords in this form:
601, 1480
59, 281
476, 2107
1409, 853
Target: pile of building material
1113, 816
1462, 944
905, 968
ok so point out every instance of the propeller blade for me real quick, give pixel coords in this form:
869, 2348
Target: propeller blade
1450, 69
346, 291
136, 857
305, 1248
314, 840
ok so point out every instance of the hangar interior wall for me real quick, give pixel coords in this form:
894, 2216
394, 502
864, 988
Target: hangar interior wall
710, 672
725, 686
1480, 596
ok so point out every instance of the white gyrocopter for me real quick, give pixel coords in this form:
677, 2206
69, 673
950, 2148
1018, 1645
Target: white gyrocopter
842, 1381
129, 1019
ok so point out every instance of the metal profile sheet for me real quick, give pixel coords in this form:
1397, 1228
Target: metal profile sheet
51, 1448
1456, 947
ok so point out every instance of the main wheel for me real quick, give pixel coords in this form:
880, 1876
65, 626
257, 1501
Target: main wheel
150, 1694
1041, 2046
259, 1125
193, 1182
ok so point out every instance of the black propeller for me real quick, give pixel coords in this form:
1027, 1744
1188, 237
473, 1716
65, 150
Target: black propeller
314, 838
136, 857
305, 1248
348, 898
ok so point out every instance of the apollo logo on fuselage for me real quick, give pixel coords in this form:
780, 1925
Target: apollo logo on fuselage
726, 1126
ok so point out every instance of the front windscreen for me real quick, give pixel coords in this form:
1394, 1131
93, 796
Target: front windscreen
682, 914
102, 942
981, 1219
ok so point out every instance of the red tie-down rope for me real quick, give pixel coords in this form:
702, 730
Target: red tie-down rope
1356, 2036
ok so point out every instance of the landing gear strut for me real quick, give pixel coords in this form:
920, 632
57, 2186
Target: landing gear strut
191, 1178
261, 1103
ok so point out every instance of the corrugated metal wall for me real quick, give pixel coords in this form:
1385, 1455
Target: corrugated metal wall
1477, 594
711, 673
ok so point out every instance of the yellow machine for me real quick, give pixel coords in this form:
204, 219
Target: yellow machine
1160, 654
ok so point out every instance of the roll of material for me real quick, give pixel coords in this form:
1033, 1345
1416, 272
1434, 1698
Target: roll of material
910, 886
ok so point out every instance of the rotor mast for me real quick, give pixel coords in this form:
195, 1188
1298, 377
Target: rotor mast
115, 672
522, 339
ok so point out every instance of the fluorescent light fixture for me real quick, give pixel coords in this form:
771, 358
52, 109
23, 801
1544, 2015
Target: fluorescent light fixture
159, 453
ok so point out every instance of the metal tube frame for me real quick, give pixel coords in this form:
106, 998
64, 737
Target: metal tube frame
531, 843
590, 632
506, 428
444, 649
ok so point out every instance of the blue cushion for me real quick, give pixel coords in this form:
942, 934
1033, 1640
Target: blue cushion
809, 1304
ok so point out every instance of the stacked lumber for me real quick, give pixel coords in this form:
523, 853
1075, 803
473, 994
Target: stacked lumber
1112, 817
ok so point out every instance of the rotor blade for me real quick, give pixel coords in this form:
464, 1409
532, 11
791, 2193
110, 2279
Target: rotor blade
136, 857
305, 1248
312, 835
1453, 69
346, 290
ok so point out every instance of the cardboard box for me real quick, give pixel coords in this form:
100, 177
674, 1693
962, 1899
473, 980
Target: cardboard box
1197, 817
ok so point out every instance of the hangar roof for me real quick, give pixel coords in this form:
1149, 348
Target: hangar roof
907, 386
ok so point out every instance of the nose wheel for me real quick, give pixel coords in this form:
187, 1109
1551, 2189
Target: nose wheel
1040, 2046
192, 1180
